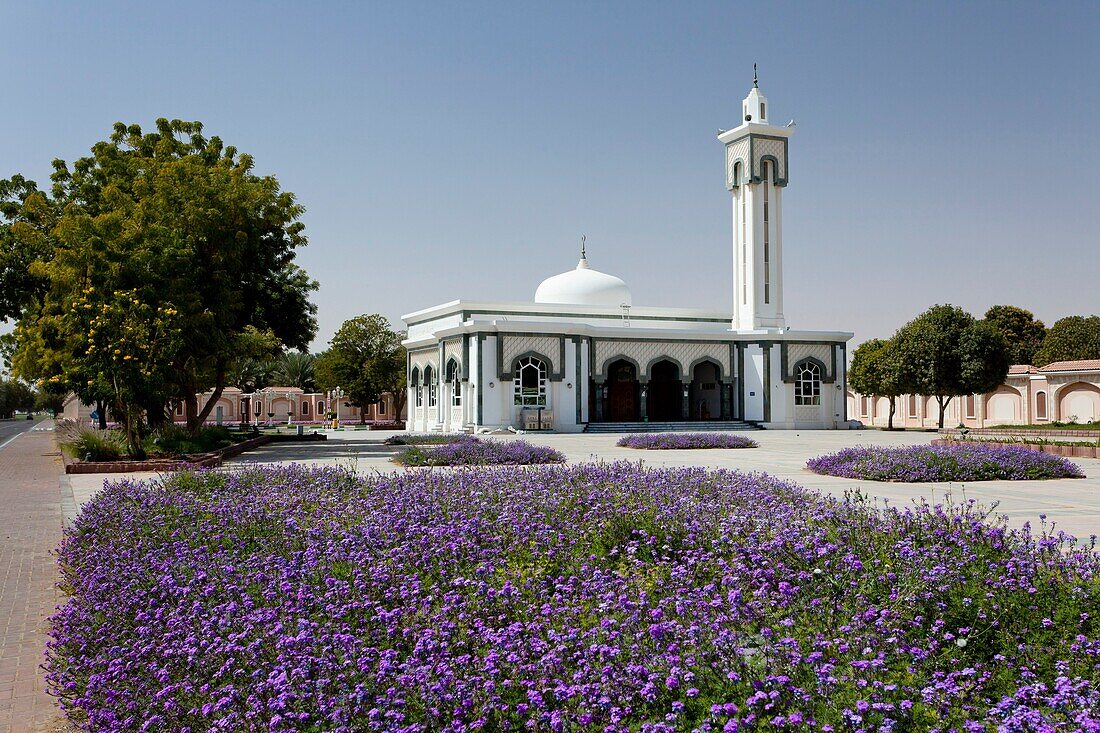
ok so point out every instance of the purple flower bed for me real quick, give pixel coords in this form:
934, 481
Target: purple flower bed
685, 441
970, 462
467, 450
586, 598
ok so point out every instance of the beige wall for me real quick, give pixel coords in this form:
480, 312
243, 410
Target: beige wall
1018, 401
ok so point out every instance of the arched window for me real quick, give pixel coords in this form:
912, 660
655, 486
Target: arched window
1040, 405
321, 407
529, 386
807, 385
970, 406
429, 380
381, 407
305, 408
912, 405
453, 379
418, 388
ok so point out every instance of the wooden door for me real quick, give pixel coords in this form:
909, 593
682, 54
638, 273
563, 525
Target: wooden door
622, 401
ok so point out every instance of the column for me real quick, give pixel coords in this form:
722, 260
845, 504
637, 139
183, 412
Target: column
644, 413
727, 398
685, 407
599, 399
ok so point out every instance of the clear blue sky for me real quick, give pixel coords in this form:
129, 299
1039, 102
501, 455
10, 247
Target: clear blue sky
944, 152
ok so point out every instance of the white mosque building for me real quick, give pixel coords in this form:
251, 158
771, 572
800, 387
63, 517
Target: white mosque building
583, 356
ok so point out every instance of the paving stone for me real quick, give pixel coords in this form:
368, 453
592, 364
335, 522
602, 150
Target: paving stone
31, 521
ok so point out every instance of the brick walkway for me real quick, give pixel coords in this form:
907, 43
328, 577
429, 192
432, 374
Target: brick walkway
30, 529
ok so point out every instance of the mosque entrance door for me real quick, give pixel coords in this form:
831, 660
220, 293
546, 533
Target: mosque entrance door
664, 400
622, 392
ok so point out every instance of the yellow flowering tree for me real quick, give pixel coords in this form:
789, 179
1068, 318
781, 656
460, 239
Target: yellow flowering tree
120, 347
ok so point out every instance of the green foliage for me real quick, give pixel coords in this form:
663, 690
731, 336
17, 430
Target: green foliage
366, 359
295, 369
50, 399
174, 440
88, 444
876, 370
1070, 339
1022, 332
181, 222
946, 353
15, 395
431, 439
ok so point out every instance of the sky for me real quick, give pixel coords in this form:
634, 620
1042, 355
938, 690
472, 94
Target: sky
943, 153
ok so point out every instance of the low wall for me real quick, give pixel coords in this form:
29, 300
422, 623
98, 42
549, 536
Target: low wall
1005, 432
1069, 451
198, 460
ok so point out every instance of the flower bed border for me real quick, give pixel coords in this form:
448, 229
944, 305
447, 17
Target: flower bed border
1023, 431
1067, 451
198, 460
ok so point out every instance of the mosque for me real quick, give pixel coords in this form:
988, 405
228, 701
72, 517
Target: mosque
582, 356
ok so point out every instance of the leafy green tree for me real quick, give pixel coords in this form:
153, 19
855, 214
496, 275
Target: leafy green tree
53, 401
876, 370
945, 353
296, 369
111, 348
1070, 339
365, 358
1022, 332
27, 217
14, 395
179, 219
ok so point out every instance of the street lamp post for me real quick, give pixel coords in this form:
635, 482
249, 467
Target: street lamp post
334, 399
289, 409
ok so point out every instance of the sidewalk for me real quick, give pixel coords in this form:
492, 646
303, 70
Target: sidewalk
30, 529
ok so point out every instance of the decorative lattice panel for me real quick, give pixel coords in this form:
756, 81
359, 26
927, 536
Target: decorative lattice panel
735, 151
453, 350
548, 346
423, 358
683, 353
767, 146
821, 352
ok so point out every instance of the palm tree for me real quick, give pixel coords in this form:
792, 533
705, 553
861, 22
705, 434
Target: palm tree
296, 369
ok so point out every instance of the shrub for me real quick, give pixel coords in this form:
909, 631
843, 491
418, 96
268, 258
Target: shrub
175, 440
966, 462
583, 598
90, 444
685, 441
429, 439
471, 451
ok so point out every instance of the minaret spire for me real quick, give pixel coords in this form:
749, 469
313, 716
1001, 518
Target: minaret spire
583, 237
583, 264
755, 80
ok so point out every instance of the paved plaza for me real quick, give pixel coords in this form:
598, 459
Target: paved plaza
1073, 503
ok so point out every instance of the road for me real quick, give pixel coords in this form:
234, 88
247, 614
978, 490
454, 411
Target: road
10, 428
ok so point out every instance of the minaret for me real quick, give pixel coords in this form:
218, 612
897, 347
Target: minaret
756, 174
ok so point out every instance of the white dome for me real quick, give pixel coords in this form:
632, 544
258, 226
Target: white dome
583, 286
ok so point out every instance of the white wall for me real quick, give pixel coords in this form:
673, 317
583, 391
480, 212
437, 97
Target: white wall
754, 385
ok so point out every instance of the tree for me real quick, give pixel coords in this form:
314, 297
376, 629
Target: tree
945, 353
875, 370
365, 359
1070, 339
183, 222
1022, 332
296, 369
14, 395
